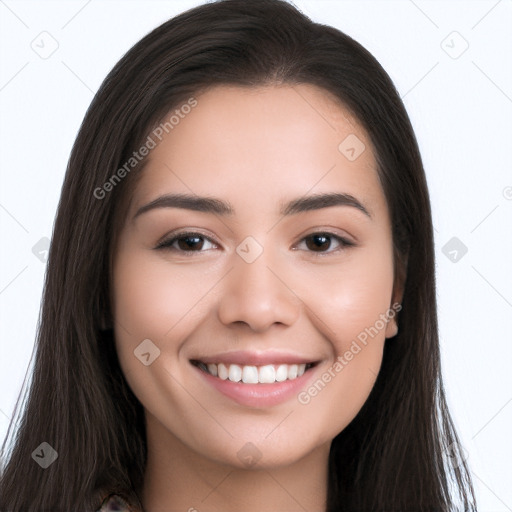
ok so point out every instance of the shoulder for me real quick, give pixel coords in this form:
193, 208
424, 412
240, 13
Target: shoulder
115, 503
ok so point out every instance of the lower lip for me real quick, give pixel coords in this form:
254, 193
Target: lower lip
258, 395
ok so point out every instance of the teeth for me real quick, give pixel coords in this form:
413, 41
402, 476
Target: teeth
250, 374
281, 372
235, 373
267, 374
222, 371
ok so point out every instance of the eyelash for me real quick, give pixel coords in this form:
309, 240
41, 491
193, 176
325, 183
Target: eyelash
167, 244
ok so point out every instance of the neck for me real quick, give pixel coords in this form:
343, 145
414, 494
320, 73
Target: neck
178, 479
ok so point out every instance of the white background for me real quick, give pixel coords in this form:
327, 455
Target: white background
461, 109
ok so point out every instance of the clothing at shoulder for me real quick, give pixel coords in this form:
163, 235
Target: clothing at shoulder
114, 503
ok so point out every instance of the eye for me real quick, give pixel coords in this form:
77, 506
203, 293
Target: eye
187, 242
190, 242
322, 242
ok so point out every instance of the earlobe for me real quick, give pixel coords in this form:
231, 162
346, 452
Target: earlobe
391, 328
395, 308
396, 303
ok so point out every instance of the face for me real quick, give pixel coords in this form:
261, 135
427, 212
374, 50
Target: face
251, 325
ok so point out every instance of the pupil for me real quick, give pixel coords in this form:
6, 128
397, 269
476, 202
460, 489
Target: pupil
188, 242
319, 242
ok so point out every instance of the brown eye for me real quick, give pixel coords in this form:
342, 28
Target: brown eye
187, 243
190, 242
324, 242
318, 242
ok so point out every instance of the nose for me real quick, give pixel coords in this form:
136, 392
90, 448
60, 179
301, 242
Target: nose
257, 294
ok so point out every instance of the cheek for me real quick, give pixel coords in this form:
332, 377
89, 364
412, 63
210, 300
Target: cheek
162, 302
148, 305
152, 303
348, 304
149, 300
351, 296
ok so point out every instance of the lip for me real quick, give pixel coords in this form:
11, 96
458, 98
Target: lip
255, 358
259, 396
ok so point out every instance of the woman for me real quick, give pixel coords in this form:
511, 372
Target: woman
239, 310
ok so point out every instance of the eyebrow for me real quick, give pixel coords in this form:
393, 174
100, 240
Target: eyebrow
224, 208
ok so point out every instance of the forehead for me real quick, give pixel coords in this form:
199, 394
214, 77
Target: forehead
256, 146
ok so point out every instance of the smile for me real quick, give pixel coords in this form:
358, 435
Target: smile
257, 379
251, 374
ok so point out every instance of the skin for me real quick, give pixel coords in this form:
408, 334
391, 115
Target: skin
255, 148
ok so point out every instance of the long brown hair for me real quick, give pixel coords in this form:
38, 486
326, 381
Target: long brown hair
392, 456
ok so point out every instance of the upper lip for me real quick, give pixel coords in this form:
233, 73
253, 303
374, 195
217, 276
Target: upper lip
255, 358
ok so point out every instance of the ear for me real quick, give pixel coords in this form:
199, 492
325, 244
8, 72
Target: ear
391, 327
396, 301
392, 313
